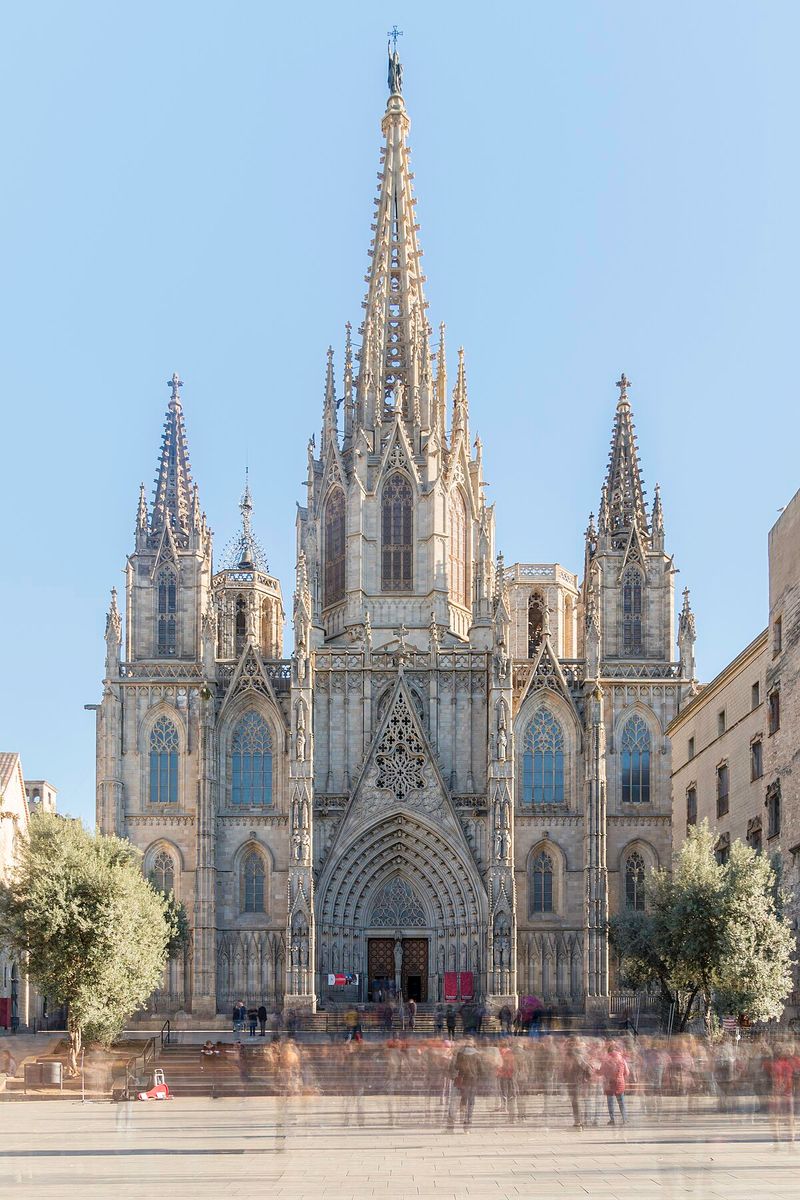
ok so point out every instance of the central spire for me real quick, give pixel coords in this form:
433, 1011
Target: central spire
172, 503
395, 358
622, 506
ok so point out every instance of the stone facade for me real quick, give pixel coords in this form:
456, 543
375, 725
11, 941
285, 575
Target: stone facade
462, 767
718, 751
20, 1003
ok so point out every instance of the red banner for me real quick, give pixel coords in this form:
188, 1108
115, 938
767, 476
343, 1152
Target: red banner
5, 1011
467, 985
450, 985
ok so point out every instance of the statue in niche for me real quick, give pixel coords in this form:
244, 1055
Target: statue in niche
398, 964
501, 659
300, 737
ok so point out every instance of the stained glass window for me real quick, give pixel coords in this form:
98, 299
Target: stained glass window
251, 761
634, 882
252, 882
167, 612
334, 547
543, 760
459, 582
542, 883
635, 762
163, 873
396, 527
164, 746
632, 611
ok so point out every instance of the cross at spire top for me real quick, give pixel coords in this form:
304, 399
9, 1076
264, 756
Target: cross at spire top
176, 383
623, 383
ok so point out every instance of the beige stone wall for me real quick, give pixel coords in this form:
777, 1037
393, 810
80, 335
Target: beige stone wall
745, 721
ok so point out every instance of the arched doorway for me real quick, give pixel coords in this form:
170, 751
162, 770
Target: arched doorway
401, 879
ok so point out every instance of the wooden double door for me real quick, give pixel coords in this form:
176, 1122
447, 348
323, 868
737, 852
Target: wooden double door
414, 975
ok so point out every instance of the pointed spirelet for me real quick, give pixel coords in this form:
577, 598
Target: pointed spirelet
173, 495
349, 407
440, 422
245, 552
460, 423
329, 430
624, 493
113, 620
142, 514
395, 329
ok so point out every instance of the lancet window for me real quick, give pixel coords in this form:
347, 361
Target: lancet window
164, 745
542, 883
163, 872
636, 743
632, 642
252, 883
543, 760
459, 578
397, 528
634, 882
167, 612
334, 547
241, 623
251, 761
535, 623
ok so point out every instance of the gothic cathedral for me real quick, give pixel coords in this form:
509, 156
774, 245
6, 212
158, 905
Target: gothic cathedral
461, 770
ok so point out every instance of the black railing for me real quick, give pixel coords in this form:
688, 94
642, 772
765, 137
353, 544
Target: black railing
165, 1034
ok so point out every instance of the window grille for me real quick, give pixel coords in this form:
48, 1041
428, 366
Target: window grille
542, 890
397, 528
334, 547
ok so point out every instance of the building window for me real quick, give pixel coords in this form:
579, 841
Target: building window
634, 882
334, 547
632, 611
459, 580
754, 834
756, 759
777, 635
774, 710
167, 610
722, 849
722, 789
755, 695
543, 760
691, 806
720, 722
241, 623
164, 747
535, 622
635, 762
542, 890
690, 748
773, 804
397, 526
162, 875
251, 761
252, 883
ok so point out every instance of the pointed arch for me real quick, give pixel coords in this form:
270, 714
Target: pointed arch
162, 865
459, 548
635, 753
251, 761
334, 544
164, 747
546, 875
536, 603
167, 609
543, 755
240, 624
634, 882
397, 529
632, 611
253, 875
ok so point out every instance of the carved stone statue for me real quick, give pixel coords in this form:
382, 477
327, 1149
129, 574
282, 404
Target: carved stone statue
395, 80
398, 966
300, 738
502, 736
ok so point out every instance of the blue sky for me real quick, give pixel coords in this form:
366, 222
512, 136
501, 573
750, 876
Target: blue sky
602, 187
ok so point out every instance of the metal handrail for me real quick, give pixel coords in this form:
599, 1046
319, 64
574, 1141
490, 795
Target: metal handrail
165, 1034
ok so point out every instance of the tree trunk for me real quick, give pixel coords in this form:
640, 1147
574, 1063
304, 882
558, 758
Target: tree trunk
707, 1012
75, 1043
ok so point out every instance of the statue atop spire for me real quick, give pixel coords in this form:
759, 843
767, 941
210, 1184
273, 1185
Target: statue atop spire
395, 66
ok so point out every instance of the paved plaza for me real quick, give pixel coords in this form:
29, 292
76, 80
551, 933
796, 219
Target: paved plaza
309, 1147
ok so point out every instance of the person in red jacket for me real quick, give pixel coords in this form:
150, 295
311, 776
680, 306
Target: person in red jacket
614, 1072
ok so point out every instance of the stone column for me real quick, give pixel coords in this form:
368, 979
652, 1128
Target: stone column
595, 871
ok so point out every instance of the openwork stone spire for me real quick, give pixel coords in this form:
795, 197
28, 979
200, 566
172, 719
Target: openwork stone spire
244, 552
623, 504
395, 350
173, 497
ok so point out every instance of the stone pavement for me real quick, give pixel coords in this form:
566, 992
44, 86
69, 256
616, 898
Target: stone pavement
303, 1148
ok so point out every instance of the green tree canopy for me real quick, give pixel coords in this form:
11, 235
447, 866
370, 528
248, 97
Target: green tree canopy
712, 930
93, 932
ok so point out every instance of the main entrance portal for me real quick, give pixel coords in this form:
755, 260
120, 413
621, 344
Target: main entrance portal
382, 963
